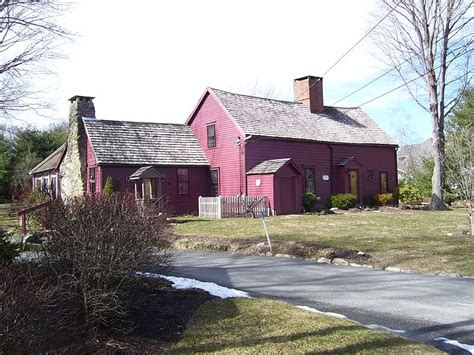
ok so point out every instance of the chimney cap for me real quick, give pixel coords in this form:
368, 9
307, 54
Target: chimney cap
81, 98
311, 77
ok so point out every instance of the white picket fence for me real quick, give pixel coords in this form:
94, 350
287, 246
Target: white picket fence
232, 206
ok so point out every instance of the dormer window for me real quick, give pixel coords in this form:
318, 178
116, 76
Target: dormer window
211, 136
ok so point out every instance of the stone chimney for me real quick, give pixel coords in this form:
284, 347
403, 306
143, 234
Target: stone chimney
309, 91
73, 168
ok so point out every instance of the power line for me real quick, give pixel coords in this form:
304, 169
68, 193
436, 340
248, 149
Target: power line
406, 83
350, 49
389, 71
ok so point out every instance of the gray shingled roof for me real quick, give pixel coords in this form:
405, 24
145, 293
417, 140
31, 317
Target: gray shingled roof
143, 143
146, 172
268, 166
285, 119
50, 162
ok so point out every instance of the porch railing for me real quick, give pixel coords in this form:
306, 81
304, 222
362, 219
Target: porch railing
23, 215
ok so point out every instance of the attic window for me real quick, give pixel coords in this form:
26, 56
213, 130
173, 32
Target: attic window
211, 136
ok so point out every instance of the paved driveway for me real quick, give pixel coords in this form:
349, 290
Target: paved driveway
423, 307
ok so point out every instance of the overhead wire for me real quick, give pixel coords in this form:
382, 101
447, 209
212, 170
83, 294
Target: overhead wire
408, 82
387, 72
350, 49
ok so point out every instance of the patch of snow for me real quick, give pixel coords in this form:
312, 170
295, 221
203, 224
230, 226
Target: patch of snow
467, 347
180, 283
330, 314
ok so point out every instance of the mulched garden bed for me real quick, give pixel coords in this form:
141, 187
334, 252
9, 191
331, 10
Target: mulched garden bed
160, 315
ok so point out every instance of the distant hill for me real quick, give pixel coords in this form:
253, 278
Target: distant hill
411, 155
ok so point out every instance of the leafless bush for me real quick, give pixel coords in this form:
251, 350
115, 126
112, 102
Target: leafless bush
100, 243
37, 313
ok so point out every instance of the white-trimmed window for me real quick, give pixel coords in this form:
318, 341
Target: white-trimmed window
38, 184
183, 181
92, 184
54, 187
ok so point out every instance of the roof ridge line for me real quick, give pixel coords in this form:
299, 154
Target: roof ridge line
123, 121
255, 97
280, 100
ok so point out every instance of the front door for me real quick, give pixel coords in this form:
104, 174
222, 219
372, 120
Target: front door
354, 182
287, 195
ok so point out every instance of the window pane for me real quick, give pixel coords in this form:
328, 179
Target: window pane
211, 136
183, 181
92, 180
309, 180
383, 182
214, 182
370, 175
53, 187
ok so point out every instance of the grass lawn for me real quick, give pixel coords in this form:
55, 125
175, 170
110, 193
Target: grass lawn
249, 326
8, 219
416, 240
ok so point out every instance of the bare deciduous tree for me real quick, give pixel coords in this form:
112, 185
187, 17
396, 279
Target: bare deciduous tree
431, 39
29, 39
460, 152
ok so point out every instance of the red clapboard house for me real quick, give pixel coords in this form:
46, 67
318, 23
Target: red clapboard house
232, 144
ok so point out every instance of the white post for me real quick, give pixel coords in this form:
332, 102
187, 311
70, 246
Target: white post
262, 215
199, 206
219, 207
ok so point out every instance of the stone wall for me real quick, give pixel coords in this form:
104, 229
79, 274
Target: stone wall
73, 167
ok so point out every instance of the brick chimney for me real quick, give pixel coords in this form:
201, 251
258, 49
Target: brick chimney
309, 91
73, 168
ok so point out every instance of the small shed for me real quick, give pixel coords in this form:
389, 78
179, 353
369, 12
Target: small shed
281, 181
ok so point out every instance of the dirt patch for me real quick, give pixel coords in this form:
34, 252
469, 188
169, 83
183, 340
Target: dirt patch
160, 314
293, 249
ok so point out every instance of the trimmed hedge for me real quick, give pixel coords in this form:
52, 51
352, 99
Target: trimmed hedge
410, 195
384, 199
309, 201
342, 201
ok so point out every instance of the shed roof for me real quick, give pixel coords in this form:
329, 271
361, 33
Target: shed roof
143, 143
292, 120
51, 162
271, 166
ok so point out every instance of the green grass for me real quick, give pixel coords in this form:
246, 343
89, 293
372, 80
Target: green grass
416, 240
8, 219
253, 326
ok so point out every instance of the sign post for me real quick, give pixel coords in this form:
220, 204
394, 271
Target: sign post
262, 216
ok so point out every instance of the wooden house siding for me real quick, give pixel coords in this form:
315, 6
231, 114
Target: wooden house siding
226, 156
324, 159
91, 162
305, 154
375, 159
266, 187
199, 184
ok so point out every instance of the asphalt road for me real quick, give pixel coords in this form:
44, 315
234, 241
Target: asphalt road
423, 307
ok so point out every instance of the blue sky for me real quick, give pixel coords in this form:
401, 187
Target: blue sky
152, 61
